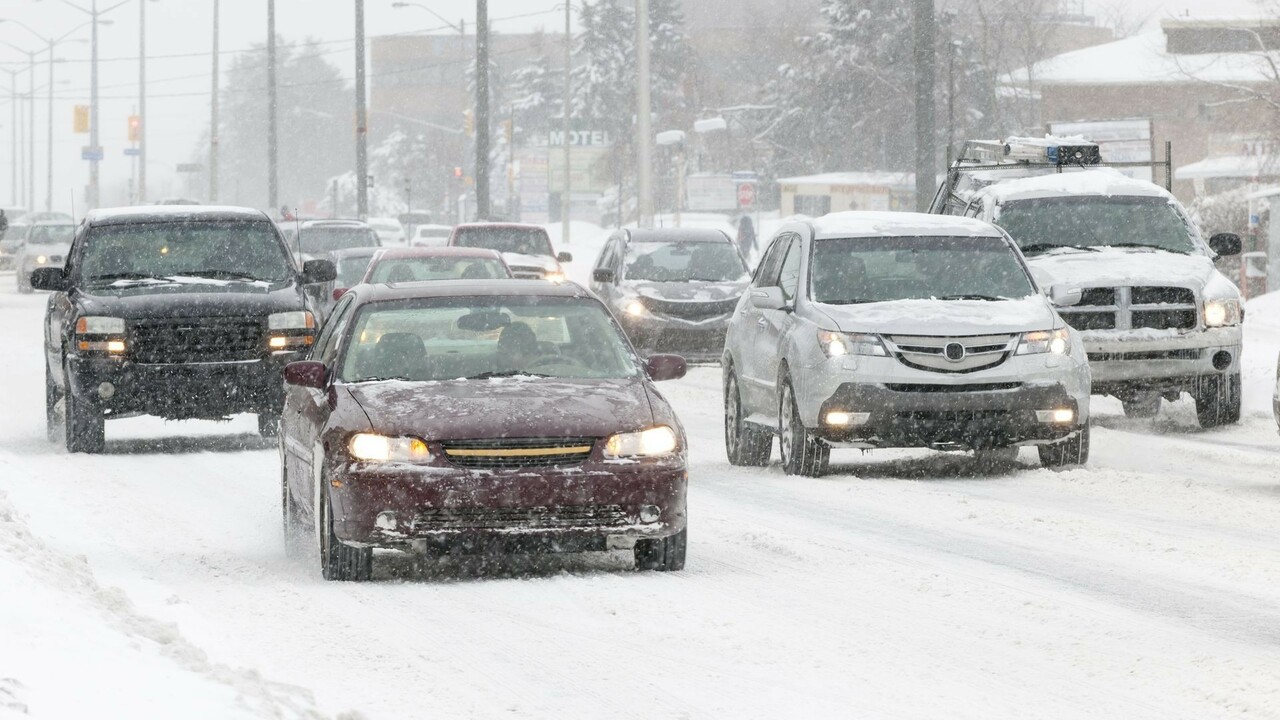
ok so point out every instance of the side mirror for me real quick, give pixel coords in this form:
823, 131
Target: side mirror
666, 367
1064, 296
564, 257
1225, 244
306, 373
339, 292
768, 298
318, 271
603, 275
52, 279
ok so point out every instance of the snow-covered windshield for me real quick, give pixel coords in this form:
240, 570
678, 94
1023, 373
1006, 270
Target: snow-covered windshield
684, 262
51, 234
320, 240
1044, 224
878, 269
233, 250
485, 337
523, 241
437, 268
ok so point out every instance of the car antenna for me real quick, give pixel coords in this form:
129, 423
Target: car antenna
297, 227
73, 207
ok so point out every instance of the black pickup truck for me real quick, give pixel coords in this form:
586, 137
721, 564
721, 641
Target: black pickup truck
177, 311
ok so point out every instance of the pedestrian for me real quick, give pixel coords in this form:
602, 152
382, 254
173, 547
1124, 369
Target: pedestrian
746, 237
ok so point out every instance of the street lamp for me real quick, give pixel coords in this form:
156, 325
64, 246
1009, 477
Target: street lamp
29, 186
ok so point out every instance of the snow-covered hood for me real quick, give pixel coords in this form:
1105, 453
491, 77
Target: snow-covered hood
197, 297
944, 317
505, 407
1120, 267
692, 291
515, 260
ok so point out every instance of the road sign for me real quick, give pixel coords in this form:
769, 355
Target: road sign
80, 120
132, 152
190, 167
91, 153
746, 194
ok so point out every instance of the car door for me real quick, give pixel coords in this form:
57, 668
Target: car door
60, 310
774, 325
605, 290
755, 387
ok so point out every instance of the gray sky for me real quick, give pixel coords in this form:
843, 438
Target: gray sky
178, 43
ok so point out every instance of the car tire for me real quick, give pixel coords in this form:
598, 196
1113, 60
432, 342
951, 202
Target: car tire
84, 427
269, 424
339, 561
663, 554
51, 397
1141, 406
745, 444
802, 453
1072, 452
1218, 400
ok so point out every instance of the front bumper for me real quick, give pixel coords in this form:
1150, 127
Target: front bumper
180, 392
1160, 360
592, 507
696, 341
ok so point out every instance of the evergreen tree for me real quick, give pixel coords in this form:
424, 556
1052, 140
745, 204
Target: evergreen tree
535, 94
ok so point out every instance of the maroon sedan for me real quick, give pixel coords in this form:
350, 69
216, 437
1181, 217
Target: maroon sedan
473, 416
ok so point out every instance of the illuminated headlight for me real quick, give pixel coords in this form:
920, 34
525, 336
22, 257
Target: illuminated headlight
286, 342
554, 276
99, 325
1059, 416
297, 320
370, 447
1219, 313
1057, 342
635, 308
835, 344
41, 259
660, 440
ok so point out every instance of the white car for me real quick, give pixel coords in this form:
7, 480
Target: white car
389, 230
525, 248
871, 330
1156, 317
431, 235
43, 244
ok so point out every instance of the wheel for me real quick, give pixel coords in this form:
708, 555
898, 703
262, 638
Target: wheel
744, 443
84, 429
1218, 400
664, 554
339, 561
1066, 453
269, 424
51, 397
1141, 405
802, 454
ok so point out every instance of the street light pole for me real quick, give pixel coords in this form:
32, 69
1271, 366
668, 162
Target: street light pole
13, 135
482, 109
362, 121
142, 105
213, 114
31, 129
567, 203
48, 168
644, 131
92, 200
273, 188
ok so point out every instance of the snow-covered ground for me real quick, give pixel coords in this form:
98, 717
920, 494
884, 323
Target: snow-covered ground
151, 581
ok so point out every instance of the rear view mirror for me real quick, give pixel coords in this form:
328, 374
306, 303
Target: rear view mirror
49, 278
1225, 244
306, 373
666, 367
339, 292
318, 271
1064, 296
603, 275
564, 257
769, 298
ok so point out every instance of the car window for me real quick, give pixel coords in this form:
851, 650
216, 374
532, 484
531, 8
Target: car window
684, 262
437, 339
326, 239
523, 241
416, 269
789, 274
326, 344
767, 270
609, 254
352, 269
1043, 224
51, 234
216, 250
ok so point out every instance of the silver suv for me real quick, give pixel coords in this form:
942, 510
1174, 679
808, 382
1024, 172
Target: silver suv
871, 330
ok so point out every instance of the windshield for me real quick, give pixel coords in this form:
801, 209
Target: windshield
51, 234
485, 337
352, 269
524, 241
1044, 224
220, 250
684, 262
321, 240
860, 270
437, 268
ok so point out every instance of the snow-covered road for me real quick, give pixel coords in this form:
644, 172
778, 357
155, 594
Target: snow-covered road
904, 585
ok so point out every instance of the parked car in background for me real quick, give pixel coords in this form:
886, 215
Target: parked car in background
317, 238
403, 265
351, 265
673, 290
10, 235
870, 330
389, 230
44, 244
526, 248
431, 235
179, 312
471, 416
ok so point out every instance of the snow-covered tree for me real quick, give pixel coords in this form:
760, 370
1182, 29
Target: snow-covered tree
535, 93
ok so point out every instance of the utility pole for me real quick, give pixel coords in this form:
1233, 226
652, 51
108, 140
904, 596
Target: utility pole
48, 169
13, 136
213, 114
362, 121
644, 131
925, 30
482, 110
567, 203
92, 201
142, 106
31, 130
273, 148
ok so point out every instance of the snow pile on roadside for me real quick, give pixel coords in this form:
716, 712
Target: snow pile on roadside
1261, 348
73, 648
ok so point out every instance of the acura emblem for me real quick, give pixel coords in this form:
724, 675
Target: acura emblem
954, 352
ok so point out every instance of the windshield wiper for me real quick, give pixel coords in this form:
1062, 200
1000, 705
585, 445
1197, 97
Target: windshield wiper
112, 277
384, 379
1037, 248
971, 296
1147, 246
850, 301
504, 374
220, 275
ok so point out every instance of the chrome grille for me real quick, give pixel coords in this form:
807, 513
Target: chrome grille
1128, 308
689, 310
527, 272
192, 340
931, 353
518, 452
521, 518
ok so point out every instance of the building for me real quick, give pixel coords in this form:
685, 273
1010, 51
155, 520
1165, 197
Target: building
816, 195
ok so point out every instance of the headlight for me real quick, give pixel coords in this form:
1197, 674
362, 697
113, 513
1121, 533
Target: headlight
297, 320
1057, 342
660, 440
41, 259
380, 448
835, 344
99, 325
554, 276
635, 308
1219, 313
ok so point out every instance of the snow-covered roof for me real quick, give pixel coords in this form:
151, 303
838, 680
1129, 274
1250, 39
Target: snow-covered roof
1230, 166
865, 223
1143, 59
1099, 181
905, 181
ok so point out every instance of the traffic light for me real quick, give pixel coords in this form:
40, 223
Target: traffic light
135, 128
80, 122
457, 171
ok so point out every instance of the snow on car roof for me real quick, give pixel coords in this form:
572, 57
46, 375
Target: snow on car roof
173, 213
1099, 181
862, 223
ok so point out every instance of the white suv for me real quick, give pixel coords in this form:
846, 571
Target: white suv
871, 330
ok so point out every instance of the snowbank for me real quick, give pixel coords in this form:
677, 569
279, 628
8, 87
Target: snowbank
1261, 348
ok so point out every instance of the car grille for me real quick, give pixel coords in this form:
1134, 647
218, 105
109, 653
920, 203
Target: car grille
930, 353
196, 340
522, 518
518, 452
967, 388
689, 310
527, 272
1193, 354
1128, 308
